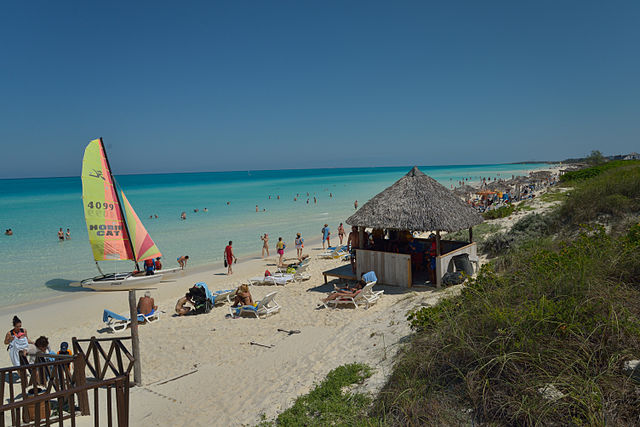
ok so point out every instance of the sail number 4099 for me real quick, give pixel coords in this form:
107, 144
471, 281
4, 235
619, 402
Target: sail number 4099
100, 205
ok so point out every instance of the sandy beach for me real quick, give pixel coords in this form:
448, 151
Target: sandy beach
204, 369
231, 382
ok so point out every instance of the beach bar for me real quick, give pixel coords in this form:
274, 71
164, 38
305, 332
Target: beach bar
399, 217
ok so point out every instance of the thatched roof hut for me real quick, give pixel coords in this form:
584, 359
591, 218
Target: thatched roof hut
464, 190
416, 202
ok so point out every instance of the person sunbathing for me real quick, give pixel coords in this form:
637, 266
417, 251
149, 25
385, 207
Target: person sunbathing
242, 297
342, 293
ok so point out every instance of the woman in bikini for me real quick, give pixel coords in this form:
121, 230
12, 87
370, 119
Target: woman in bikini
265, 244
243, 296
340, 233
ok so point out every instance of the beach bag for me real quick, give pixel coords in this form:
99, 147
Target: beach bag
462, 263
454, 278
267, 273
225, 261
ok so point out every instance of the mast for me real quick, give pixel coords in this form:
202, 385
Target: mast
124, 217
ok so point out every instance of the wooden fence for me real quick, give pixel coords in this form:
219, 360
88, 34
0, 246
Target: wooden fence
54, 389
117, 360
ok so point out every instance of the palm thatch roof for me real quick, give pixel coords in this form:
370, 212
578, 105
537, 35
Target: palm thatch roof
464, 189
416, 202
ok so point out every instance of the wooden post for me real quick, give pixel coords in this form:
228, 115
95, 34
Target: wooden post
438, 253
79, 379
470, 234
135, 342
360, 238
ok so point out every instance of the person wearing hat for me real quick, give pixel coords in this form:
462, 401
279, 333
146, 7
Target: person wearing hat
299, 245
146, 304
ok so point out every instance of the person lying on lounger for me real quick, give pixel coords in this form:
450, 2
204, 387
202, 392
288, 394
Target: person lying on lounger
243, 296
342, 293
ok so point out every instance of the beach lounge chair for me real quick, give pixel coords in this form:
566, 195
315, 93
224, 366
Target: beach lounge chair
117, 322
276, 279
300, 274
265, 307
301, 264
334, 253
366, 296
220, 297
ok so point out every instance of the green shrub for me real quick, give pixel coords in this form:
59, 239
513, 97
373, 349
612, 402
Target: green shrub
501, 212
614, 193
593, 171
554, 312
328, 404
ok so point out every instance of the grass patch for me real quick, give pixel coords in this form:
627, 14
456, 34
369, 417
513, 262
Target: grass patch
563, 313
501, 212
558, 307
593, 171
480, 232
554, 196
611, 194
328, 404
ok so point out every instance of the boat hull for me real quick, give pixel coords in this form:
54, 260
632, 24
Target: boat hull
121, 282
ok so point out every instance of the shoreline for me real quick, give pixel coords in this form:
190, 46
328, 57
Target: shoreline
219, 348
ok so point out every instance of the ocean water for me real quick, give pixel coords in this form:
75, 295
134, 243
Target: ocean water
35, 265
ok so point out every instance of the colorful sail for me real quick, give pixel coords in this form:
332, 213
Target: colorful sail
105, 224
143, 246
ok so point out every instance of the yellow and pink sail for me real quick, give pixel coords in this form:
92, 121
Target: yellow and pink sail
107, 220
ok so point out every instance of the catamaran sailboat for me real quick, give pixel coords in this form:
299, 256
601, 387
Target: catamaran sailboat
115, 231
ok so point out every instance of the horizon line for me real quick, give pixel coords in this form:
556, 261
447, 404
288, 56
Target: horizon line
285, 169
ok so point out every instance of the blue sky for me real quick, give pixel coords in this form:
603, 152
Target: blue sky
237, 85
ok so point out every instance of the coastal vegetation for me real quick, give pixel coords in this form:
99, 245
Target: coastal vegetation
329, 403
540, 336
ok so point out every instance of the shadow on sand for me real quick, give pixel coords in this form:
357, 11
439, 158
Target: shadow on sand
63, 285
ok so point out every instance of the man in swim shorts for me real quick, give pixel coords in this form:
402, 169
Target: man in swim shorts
146, 304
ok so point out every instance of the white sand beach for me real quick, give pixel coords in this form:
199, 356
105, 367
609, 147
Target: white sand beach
231, 382
203, 368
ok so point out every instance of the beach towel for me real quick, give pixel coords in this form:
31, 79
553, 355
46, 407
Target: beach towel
207, 292
15, 347
370, 277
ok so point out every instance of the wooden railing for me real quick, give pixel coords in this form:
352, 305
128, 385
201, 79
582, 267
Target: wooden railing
115, 362
48, 408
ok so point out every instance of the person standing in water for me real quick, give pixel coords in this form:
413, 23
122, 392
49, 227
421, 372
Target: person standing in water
355, 205
68, 234
60, 235
265, 244
340, 233
280, 249
229, 257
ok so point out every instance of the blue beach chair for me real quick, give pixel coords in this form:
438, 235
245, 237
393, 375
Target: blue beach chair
117, 322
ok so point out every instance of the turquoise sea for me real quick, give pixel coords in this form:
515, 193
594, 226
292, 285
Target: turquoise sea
35, 265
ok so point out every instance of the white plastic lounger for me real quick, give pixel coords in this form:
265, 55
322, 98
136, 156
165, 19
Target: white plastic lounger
300, 275
366, 296
117, 322
265, 307
220, 297
276, 279
304, 263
